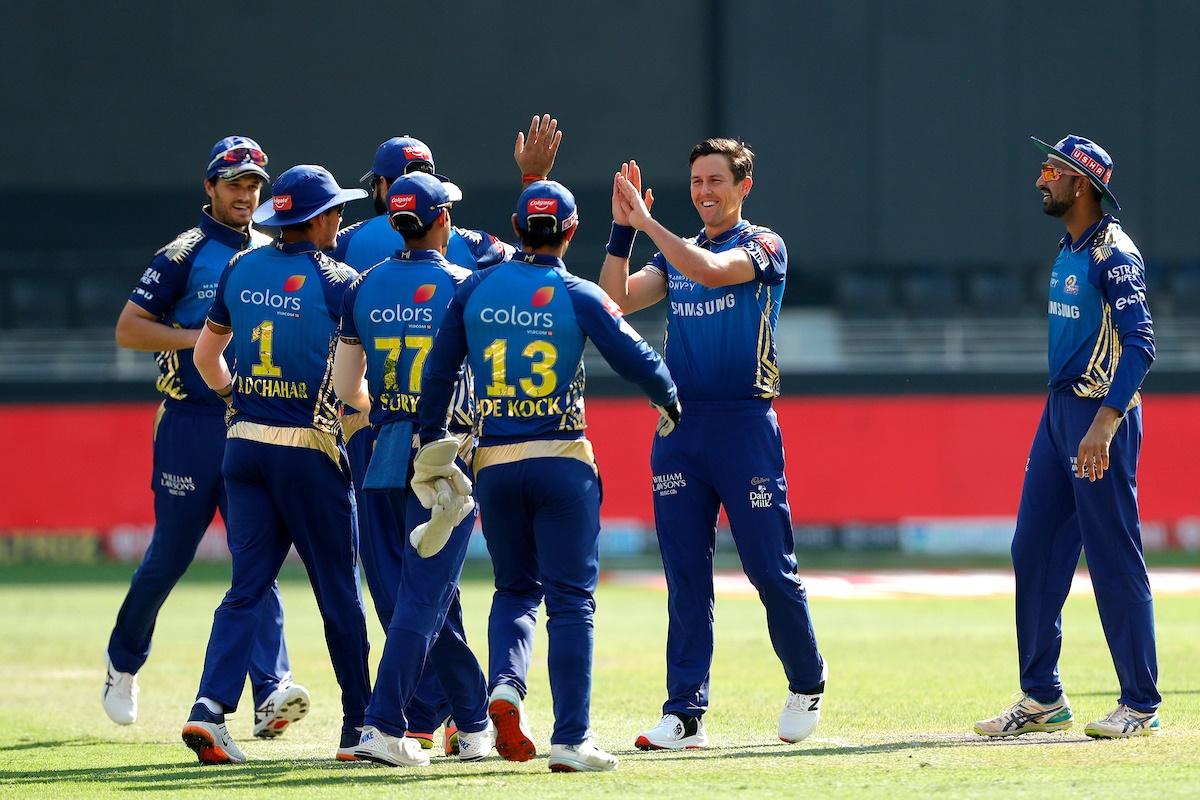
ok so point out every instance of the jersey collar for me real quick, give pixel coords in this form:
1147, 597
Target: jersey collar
702, 237
214, 229
1075, 247
418, 255
294, 247
539, 259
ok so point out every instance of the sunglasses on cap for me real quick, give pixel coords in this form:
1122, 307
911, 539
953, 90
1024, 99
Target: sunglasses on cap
240, 155
1052, 173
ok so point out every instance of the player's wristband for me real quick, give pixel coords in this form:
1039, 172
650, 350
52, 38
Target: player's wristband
620, 241
529, 177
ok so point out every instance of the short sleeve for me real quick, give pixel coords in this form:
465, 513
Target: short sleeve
769, 256
161, 285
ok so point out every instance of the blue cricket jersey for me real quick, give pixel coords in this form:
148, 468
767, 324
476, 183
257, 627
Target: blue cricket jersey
522, 326
1101, 336
720, 342
283, 303
178, 287
366, 243
394, 310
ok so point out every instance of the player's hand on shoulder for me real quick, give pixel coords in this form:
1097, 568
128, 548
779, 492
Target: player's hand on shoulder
536, 150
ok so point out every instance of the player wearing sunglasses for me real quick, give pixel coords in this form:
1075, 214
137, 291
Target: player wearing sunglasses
164, 315
1080, 490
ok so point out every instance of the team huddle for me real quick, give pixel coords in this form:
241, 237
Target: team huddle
366, 393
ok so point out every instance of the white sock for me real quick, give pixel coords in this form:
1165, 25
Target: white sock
211, 705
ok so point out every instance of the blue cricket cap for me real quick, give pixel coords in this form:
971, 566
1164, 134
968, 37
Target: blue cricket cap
235, 156
300, 193
398, 156
1085, 156
543, 201
421, 196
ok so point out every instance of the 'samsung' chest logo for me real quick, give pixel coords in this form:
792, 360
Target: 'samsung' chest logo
1072, 285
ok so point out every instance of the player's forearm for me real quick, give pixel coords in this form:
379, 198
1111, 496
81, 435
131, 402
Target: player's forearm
349, 376
208, 356
701, 266
614, 280
138, 333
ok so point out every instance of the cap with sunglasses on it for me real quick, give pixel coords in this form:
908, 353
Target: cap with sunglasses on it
420, 197
301, 193
235, 156
1086, 157
547, 206
398, 156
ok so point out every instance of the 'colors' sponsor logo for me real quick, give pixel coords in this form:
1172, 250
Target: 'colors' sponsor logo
399, 313
270, 300
542, 296
282, 202
294, 284
424, 293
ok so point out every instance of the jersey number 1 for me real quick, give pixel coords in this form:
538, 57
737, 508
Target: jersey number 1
264, 334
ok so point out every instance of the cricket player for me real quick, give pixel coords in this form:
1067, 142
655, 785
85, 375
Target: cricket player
285, 465
1080, 490
522, 327
390, 316
164, 315
724, 288
363, 245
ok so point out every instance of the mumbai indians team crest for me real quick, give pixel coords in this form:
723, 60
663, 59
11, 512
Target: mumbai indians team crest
1071, 286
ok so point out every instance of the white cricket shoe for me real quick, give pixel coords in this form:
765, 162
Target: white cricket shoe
1124, 723
287, 704
1027, 715
673, 733
801, 712
507, 712
120, 695
582, 757
205, 733
394, 751
476, 746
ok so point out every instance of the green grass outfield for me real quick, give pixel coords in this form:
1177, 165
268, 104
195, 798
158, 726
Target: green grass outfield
907, 679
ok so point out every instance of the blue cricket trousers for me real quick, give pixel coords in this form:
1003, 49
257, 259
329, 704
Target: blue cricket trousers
425, 637
382, 546
189, 443
727, 454
1061, 515
541, 519
280, 496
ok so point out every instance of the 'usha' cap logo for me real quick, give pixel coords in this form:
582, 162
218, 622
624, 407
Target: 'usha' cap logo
294, 283
424, 293
543, 296
282, 202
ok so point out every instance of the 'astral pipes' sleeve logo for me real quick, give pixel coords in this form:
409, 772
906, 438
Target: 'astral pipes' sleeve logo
282, 202
424, 293
544, 295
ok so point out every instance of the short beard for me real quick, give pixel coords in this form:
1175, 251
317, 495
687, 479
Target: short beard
1057, 208
380, 204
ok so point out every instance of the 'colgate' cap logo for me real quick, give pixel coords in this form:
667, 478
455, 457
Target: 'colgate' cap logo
414, 153
542, 205
402, 202
282, 202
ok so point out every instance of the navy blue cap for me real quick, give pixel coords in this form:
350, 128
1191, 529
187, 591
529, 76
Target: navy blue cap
422, 196
300, 193
398, 156
1087, 157
235, 156
547, 200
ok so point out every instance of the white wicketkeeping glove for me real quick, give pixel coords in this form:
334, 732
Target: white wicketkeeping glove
449, 509
436, 460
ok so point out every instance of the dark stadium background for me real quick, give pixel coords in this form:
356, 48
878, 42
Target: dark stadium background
893, 157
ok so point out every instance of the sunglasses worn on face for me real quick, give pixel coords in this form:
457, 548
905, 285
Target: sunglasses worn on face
1051, 173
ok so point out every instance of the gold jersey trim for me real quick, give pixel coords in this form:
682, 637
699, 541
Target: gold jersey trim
353, 423
308, 438
766, 378
158, 416
578, 449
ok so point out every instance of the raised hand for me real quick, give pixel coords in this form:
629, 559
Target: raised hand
536, 150
630, 205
